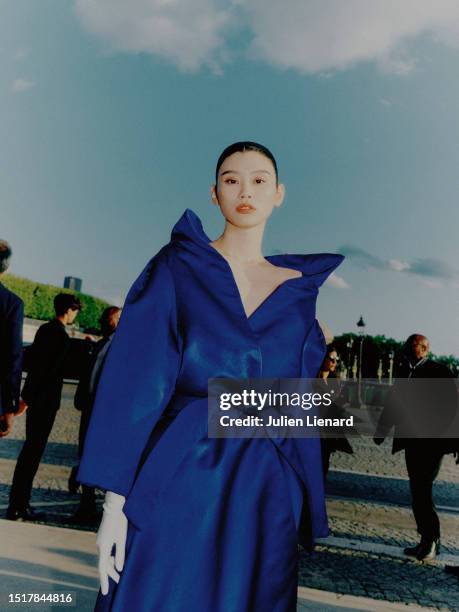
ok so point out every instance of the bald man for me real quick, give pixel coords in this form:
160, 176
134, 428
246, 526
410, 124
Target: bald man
417, 410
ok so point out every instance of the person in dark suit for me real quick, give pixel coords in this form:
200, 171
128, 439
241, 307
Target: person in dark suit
420, 408
328, 382
84, 400
11, 320
453, 569
42, 392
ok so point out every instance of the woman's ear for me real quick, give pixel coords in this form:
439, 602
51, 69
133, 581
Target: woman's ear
280, 195
213, 194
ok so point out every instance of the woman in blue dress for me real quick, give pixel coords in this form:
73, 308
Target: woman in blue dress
199, 523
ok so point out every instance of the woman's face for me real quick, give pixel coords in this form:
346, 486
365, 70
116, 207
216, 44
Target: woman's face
331, 362
246, 190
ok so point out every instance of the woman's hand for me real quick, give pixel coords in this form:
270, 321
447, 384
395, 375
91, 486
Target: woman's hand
112, 532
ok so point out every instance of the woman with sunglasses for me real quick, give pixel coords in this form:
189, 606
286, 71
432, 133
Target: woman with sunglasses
327, 382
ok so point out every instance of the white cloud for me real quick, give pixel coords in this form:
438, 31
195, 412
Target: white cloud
399, 266
386, 102
432, 284
312, 36
337, 282
321, 35
433, 273
21, 85
396, 65
186, 32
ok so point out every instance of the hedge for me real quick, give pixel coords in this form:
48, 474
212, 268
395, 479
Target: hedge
38, 301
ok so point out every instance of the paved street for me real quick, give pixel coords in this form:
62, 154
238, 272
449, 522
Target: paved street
44, 560
40, 561
370, 520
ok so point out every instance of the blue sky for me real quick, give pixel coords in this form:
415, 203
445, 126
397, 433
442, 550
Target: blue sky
114, 113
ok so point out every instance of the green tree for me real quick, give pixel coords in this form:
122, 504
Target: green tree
376, 348
38, 301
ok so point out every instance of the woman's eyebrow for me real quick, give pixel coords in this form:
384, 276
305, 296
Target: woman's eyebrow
253, 172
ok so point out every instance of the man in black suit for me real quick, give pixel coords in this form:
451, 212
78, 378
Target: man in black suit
42, 392
421, 408
84, 401
11, 320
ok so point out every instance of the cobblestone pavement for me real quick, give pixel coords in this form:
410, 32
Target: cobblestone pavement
369, 502
381, 575
368, 505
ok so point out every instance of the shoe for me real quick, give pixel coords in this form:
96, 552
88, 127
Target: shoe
411, 551
426, 550
27, 514
452, 569
73, 484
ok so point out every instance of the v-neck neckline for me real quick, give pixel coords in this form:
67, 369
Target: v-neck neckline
314, 268
237, 291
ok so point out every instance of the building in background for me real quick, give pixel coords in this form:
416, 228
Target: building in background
73, 283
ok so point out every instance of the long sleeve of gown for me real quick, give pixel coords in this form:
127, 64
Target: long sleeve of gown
136, 384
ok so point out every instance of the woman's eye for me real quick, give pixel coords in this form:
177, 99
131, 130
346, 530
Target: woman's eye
259, 180
230, 181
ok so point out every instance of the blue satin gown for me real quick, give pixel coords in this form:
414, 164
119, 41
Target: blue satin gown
213, 523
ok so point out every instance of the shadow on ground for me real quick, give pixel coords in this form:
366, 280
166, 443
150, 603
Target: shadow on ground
56, 453
386, 490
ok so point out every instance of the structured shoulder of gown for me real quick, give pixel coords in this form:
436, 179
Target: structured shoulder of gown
315, 267
159, 268
189, 239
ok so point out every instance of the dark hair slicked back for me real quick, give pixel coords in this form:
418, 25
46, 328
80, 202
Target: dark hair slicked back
240, 147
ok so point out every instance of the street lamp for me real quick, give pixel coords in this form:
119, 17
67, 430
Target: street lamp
380, 371
391, 366
349, 345
361, 331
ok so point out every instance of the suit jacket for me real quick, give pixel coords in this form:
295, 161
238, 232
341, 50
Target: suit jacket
11, 321
426, 405
334, 411
86, 390
87, 387
48, 353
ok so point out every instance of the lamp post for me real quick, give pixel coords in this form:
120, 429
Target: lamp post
361, 331
349, 345
354, 368
380, 371
391, 366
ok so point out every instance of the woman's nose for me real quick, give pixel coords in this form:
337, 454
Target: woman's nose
246, 192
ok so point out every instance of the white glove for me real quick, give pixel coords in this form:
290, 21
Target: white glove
112, 532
